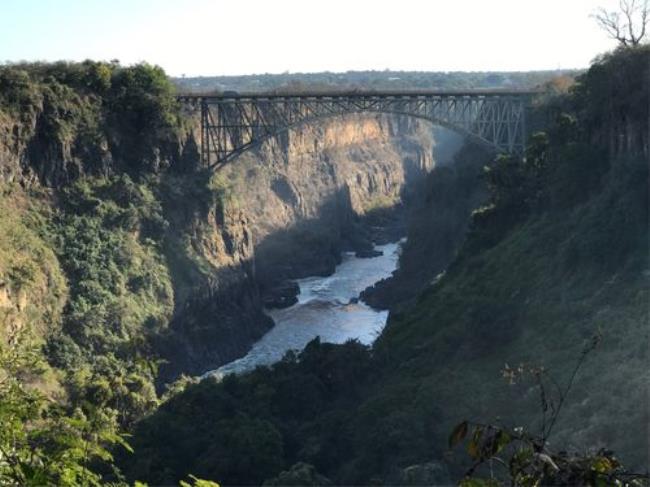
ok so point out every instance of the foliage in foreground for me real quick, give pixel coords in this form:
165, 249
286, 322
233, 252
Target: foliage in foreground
43, 442
48, 442
524, 458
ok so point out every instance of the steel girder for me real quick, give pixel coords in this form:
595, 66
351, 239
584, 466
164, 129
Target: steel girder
231, 124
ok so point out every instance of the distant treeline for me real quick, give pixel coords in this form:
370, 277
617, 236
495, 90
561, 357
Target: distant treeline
371, 80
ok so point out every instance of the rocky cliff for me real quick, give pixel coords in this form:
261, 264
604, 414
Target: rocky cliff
315, 191
291, 207
438, 225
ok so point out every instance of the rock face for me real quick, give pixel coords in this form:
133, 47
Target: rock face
58, 138
313, 192
218, 308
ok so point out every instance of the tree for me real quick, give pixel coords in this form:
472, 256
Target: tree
628, 26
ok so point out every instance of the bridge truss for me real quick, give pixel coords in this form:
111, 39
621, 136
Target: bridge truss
231, 124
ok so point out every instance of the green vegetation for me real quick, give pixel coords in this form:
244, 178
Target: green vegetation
99, 117
301, 409
55, 443
558, 253
84, 274
107, 237
95, 326
43, 442
32, 285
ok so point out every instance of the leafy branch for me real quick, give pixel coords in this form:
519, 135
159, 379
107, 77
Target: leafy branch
524, 458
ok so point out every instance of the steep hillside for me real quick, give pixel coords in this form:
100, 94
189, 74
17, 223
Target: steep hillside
557, 256
437, 227
33, 290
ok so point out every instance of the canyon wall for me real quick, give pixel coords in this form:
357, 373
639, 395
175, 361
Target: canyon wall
313, 192
297, 201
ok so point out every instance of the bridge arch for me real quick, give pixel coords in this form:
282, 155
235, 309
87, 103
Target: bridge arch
234, 123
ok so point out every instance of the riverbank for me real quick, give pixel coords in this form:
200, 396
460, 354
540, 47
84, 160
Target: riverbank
436, 226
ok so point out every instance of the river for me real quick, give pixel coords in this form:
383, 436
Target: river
324, 309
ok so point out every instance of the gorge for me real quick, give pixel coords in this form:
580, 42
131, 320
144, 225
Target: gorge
321, 190
426, 289
222, 252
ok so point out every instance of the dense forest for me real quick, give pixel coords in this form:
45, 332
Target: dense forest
530, 348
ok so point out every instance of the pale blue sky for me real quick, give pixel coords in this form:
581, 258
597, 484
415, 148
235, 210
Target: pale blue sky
208, 37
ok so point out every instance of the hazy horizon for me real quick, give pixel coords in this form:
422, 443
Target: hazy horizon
236, 75
193, 39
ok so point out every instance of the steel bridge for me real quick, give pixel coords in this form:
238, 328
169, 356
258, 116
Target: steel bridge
234, 122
